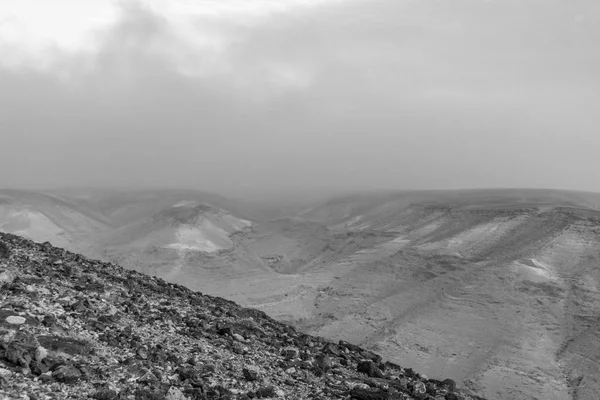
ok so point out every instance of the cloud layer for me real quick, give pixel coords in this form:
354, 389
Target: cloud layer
267, 96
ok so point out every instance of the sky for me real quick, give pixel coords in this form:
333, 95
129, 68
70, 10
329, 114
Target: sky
261, 97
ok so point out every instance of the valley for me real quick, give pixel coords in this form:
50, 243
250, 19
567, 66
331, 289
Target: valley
497, 289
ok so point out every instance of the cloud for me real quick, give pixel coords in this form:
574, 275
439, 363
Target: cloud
196, 39
270, 95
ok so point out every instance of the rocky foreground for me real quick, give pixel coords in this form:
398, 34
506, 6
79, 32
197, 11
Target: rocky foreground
75, 328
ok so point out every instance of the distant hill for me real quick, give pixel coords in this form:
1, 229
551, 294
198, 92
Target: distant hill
45, 216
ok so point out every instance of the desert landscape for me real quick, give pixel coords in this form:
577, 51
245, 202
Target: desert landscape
496, 289
400, 198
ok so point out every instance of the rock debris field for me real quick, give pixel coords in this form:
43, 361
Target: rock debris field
75, 328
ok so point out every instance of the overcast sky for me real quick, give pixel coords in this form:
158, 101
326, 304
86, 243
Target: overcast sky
248, 96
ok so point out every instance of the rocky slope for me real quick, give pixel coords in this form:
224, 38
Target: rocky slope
74, 328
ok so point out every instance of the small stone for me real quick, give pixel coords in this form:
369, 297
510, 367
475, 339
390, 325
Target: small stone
142, 353
40, 353
105, 394
66, 374
370, 369
331, 348
266, 391
15, 320
251, 374
238, 337
5, 373
419, 388
369, 355
449, 384
149, 377
323, 362
366, 394
4, 251
46, 377
19, 352
6, 277
39, 368
431, 389
290, 353
175, 394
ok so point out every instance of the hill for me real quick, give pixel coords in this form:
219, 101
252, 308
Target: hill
45, 216
76, 328
494, 286
496, 289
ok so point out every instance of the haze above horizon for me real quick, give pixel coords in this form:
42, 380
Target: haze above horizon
316, 96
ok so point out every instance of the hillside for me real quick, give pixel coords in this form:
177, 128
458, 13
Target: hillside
44, 216
496, 289
76, 328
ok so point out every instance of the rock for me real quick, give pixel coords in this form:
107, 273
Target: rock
410, 373
149, 377
266, 391
331, 348
5, 373
369, 355
46, 377
238, 337
370, 369
419, 388
38, 367
6, 277
4, 252
449, 385
67, 374
175, 394
251, 374
21, 350
17, 355
290, 353
65, 344
451, 396
40, 353
49, 321
366, 394
323, 362
105, 394
142, 352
